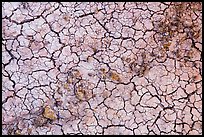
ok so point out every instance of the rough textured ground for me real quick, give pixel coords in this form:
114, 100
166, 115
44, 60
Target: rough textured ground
101, 68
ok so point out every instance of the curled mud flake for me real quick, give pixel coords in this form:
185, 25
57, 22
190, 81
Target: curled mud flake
49, 113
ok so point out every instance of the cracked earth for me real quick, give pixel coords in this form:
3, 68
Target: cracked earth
101, 68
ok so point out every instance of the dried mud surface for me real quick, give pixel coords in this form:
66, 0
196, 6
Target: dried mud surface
101, 68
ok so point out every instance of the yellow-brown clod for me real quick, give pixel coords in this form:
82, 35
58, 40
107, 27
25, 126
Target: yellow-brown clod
80, 94
49, 113
115, 76
167, 45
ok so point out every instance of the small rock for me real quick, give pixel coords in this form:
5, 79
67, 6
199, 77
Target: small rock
17, 132
29, 130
